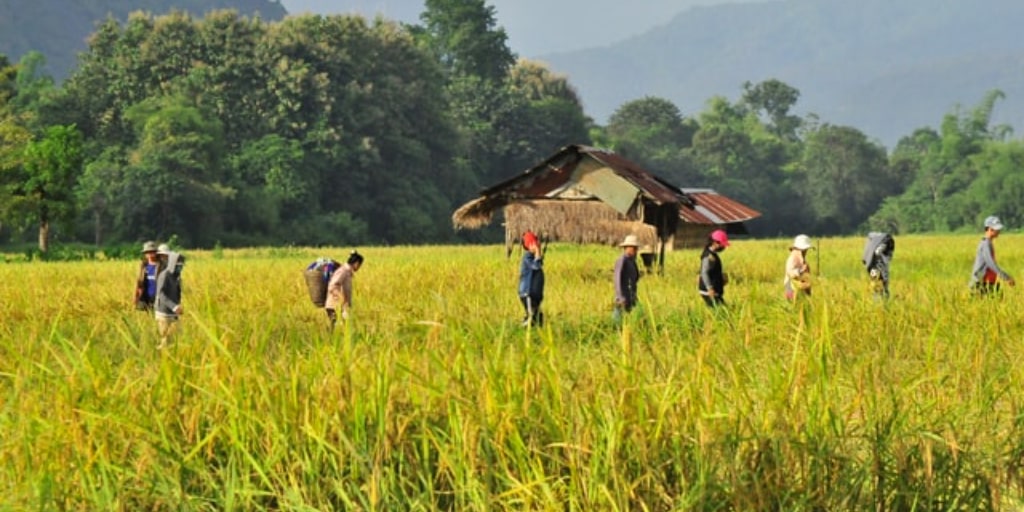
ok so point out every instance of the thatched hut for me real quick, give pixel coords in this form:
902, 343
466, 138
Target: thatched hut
588, 195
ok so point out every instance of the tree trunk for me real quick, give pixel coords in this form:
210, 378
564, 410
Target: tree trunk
44, 236
97, 229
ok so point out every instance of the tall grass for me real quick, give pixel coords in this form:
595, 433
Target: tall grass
434, 398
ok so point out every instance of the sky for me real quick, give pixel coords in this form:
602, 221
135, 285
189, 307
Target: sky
535, 27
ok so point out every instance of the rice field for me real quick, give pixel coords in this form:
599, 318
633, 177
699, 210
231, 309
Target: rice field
433, 397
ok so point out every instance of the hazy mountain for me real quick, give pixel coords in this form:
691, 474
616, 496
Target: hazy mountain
534, 27
884, 67
58, 28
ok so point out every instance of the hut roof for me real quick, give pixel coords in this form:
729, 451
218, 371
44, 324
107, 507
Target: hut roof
711, 208
576, 172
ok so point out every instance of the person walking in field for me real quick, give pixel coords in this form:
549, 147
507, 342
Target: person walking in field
985, 274
878, 252
145, 281
339, 288
531, 280
167, 306
711, 281
798, 271
626, 277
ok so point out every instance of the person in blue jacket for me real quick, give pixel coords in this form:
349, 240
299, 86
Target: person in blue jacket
531, 280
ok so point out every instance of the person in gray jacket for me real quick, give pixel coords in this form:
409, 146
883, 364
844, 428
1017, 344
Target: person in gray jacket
986, 273
167, 306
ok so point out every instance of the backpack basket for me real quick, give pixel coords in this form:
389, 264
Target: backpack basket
316, 285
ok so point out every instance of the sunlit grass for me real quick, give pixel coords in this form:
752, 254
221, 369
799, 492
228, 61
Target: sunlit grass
434, 397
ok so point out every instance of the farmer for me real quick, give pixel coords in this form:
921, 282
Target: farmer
339, 288
627, 274
145, 282
531, 280
167, 306
878, 251
711, 281
986, 273
798, 272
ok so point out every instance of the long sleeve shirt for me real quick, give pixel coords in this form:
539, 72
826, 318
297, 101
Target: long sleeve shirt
796, 265
985, 267
711, 276
626, 276
531, 276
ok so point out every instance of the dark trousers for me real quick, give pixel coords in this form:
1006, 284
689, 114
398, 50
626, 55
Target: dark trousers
715, 301
983, 288
531, 305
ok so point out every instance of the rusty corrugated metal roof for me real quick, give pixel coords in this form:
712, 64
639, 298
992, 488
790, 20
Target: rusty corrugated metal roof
710, 207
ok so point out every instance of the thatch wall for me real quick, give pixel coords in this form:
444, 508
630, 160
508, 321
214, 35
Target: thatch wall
577, 221
692, 236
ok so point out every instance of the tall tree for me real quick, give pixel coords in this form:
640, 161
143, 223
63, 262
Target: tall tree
945, 164
774, 99
175, 176
653, 132
464, 36
42, 190
845, 177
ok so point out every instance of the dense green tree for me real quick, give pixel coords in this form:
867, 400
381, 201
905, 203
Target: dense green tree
845, 177
102, 199
999, 186
14, 137
464, 36
774, 100
653, 132
536, 82
741, 157
41, 190
945, 165
174, 180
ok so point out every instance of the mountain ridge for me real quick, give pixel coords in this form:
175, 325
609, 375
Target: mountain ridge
28, 25
828, 50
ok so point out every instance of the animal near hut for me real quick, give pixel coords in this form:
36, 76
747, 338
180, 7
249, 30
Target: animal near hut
583, 194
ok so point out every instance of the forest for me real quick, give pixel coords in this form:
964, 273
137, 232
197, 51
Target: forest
229, 130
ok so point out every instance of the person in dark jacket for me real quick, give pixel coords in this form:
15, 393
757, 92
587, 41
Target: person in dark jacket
711, 281
878, 251
167, 306
531, 280
145, 281
626, 276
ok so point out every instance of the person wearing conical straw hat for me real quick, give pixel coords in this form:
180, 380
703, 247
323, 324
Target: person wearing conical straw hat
798, 272
985, 274
626, 277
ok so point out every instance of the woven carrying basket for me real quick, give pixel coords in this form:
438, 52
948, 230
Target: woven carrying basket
316, 285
